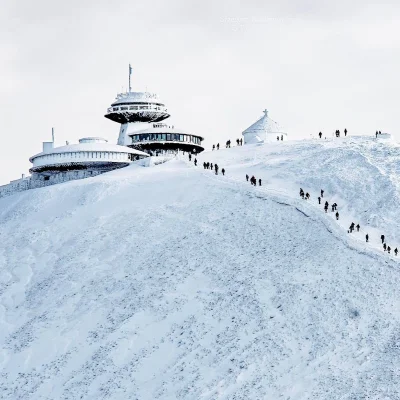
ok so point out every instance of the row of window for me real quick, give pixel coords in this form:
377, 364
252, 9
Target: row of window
166, 137
81, 155
148, 107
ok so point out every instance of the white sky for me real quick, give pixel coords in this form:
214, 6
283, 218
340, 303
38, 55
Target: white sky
216, 65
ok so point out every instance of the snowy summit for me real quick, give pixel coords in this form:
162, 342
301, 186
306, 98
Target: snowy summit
173, 282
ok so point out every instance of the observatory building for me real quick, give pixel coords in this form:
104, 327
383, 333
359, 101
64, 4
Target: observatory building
91, 156
140, 114
264, 130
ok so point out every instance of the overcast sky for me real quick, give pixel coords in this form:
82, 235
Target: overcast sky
216, 65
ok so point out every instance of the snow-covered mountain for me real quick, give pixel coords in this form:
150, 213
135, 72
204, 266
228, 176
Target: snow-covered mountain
169, 282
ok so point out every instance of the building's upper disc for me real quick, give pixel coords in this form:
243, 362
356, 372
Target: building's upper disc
137, 97
137, 107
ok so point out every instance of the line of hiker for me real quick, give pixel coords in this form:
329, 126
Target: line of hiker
239, 142
337, 133
386, 247
353, 226
253, 180
277, 138
213, 167
378, 133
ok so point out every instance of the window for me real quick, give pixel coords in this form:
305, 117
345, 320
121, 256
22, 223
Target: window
168, 136
164, 136
181, 138
123, 108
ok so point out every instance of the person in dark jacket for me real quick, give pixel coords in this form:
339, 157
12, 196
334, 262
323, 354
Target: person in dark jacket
247, 178
320, 135
388, 249
383, 238
367, 237
337, 216
319, 200
384, 246
395, 251
322, 193
190, 157
358, 227
223, 171
217, 146
259, 182
216, 169
195, 162
211, 166
345, 132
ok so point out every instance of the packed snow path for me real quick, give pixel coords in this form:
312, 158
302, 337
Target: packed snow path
168, 283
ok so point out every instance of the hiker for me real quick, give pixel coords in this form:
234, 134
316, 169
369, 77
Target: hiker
190, 157
277, 138
195, 162
380, 132
216, 169
204, 165
307, 196
383, 238
326, 204
223, 171
337, 216
241, 142
322, 193
301, 192
366, 237
237, 142
358, 227
319, 200
345, 132
320, 135
326, 208
333, 207
211, 166
376, 134
395, 251
213, 147
253, 180
384, 246
217, 146
259, 182
247, 178
282, 137
388, 249
352, 227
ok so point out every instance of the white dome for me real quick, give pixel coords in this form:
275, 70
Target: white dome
263, 129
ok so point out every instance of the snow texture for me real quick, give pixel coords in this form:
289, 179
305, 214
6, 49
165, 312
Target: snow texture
169, 282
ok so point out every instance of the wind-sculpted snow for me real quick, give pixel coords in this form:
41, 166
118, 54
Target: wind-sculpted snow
168, 282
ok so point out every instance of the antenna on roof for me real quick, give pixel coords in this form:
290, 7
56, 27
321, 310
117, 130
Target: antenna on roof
52, 135
130, 73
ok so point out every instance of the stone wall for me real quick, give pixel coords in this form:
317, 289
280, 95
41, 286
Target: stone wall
37, 181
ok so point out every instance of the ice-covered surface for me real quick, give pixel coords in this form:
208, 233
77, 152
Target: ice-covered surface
172, 283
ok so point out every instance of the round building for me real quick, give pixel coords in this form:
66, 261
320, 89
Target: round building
91, 156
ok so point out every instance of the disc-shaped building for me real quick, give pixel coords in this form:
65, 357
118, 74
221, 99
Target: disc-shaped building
263, 130
91, 156
140, 114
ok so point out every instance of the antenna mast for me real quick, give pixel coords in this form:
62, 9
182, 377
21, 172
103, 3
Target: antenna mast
130, 72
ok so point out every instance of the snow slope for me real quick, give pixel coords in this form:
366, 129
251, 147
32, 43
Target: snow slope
169, 282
